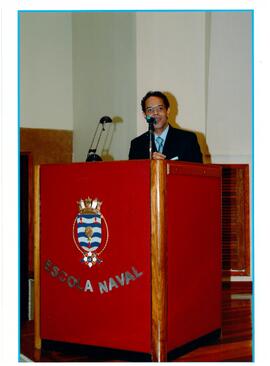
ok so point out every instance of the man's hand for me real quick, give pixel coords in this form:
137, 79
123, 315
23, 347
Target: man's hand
158, 156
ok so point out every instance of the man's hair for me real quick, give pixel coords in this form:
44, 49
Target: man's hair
155, 94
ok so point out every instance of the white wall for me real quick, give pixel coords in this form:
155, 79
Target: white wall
46, 71
171, 57
229, 109
104, 82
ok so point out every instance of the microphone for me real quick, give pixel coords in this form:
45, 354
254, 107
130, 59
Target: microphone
92, 156
150, 119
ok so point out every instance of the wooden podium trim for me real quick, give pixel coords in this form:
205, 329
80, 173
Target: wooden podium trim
158, 261
37, 257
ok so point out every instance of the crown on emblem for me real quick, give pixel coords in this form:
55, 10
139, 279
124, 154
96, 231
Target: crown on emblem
88, 205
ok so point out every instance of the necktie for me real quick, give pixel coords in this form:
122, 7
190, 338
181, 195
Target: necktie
159, 141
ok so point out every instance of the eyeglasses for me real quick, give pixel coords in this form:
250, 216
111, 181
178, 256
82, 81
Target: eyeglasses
155, 109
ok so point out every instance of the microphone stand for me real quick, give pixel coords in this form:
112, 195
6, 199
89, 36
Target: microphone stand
151, 121
92, 156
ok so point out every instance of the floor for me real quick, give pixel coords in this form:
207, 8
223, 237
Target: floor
234, 344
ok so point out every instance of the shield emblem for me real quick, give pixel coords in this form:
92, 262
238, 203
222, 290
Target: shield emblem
89, 231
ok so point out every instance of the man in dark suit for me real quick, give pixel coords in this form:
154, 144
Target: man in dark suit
167, 142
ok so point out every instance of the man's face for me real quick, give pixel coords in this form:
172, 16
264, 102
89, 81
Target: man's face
154, 107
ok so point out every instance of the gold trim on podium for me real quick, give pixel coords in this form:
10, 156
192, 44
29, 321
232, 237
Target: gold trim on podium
158, 261
37, 257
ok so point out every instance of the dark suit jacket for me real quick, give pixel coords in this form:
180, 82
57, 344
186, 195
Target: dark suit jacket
180, 143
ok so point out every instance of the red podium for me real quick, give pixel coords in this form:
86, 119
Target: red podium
128, 254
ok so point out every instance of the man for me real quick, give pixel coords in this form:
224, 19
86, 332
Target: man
167, 142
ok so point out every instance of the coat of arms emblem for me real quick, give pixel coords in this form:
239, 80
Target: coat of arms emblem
88, 229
